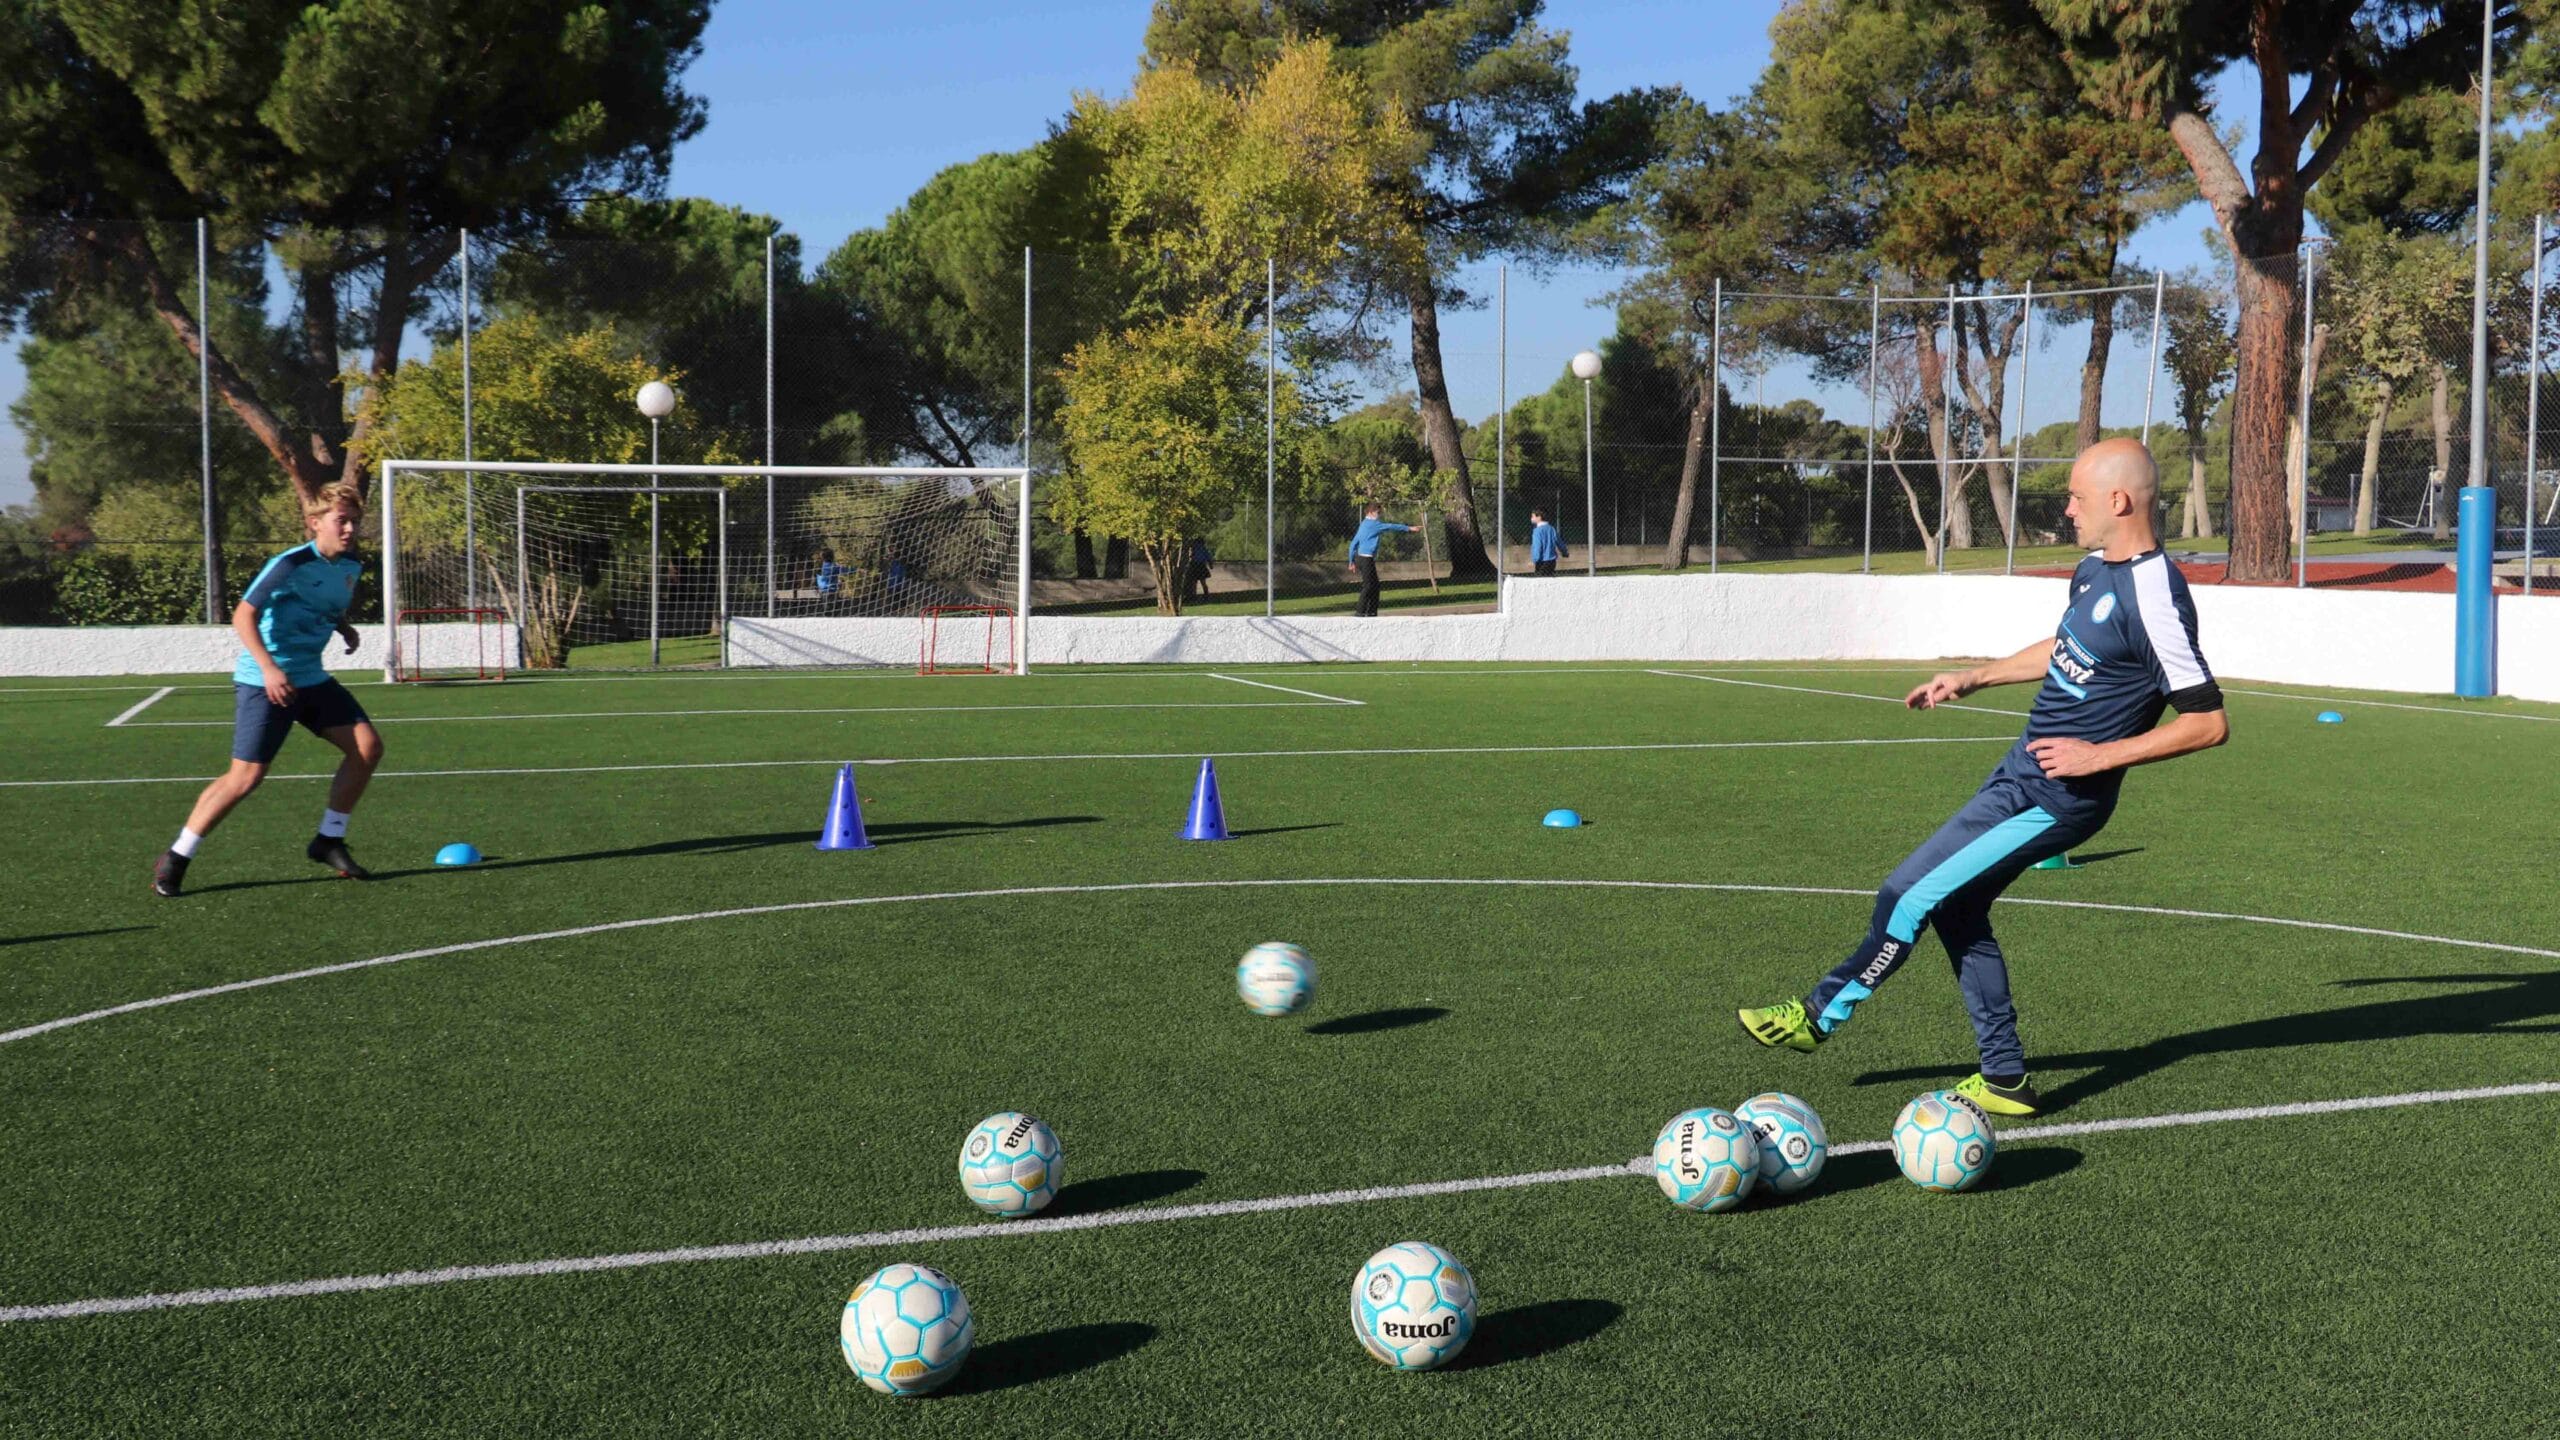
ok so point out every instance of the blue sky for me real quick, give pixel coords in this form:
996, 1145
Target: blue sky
828, 115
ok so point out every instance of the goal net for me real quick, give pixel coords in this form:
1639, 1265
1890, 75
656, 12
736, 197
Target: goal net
628, 567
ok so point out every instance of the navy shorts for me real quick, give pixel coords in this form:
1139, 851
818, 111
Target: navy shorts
259, 725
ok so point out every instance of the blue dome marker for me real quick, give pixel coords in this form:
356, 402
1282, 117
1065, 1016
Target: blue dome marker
1562, 820
458, 853
2331, 717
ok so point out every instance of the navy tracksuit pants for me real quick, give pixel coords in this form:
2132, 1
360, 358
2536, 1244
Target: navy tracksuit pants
1949, 884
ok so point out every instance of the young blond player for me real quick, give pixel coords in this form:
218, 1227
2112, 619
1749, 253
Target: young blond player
284, 623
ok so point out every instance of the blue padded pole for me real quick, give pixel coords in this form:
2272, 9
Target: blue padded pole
2475, 613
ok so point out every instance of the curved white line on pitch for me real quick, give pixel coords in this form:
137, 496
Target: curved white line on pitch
464, 947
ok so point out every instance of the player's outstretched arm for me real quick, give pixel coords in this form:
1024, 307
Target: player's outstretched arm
2027, 664
244, 623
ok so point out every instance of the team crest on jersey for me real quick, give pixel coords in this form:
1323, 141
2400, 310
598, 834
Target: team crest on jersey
2105, 607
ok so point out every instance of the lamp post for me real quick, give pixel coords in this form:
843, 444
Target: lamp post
657, 401
1586, 368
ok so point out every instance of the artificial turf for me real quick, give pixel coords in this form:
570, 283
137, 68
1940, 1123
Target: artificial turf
810, 1071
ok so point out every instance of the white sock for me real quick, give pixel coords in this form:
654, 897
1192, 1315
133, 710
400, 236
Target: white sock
185, 848
333, 824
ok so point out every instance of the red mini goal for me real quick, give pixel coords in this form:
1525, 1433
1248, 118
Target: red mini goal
967, 640
449, 644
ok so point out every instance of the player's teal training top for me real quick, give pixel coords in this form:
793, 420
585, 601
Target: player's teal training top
301, 597
2125, 651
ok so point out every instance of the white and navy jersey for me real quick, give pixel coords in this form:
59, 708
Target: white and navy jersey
2125, 651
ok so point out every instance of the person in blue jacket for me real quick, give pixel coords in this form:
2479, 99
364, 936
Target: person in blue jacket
1546, 547
1364, 553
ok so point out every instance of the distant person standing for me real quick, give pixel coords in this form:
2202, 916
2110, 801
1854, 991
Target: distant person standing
1364, 553
830, 574
1546, 546
1197, 581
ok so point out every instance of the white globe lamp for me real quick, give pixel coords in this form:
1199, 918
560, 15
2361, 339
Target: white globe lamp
658, 399
1586, 366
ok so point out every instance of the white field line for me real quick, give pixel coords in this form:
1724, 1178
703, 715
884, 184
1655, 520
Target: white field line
154, 698
1033, 759
848, 902
1147, 1214
811, 710
2392, 705
1838, 694
1285, 690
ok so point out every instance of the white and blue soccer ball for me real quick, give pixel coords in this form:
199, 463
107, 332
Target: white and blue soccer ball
1275, 978
1943, 1141
1706, 1159
1413, 1306
1793, 1144
1012, 1164
907, 1330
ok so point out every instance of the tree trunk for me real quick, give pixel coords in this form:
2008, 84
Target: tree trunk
1167, 556
2093, 370
306, 472
2372, 476
1954, 521
1115, 559
2199, 511
1675, 553
1919, 522
1467, 557
1987, 400
1084, 554
2261, 400
2297, 447
2440, 483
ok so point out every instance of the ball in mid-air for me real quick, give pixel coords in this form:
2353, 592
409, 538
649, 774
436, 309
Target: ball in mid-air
1413, 1306
1275, 978
1793, 1144
1706, 1159
1012, 1164
1943, 1141
907, 1329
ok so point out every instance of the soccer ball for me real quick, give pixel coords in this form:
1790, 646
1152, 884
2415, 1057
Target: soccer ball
1413, 1306
1793, 1144
1012, 1164
1943, 1141
907, 1329
1705, 1159
1276, 979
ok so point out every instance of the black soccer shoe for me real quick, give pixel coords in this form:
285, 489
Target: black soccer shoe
169, 874
331, 850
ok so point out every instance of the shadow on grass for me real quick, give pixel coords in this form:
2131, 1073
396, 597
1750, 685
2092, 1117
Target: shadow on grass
2100, 857
1281, 829
1030, 1359
2010, 1170
1527, 1332
1370, 1021
8, 940
2493, 1011
1117, 1192
906, 832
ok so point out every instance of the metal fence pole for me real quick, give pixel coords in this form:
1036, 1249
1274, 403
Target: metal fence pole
470, 499
1715, 427
772, 589
204, 422
390, 570
2151, 381
1875, 329
1590, 490
1947, 418
1022, 526
1270, 433
2026, 348
653, 541
524, 586
720, 607
2302, 500
1501, 437
2532, 403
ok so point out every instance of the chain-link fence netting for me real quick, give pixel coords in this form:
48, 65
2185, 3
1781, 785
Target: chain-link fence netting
1737, 428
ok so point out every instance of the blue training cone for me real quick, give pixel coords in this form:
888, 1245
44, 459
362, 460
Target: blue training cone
844, 817
1208, 818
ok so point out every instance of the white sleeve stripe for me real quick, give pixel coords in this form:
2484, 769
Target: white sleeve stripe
2179, 662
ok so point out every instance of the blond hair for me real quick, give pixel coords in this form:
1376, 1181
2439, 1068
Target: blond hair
336, 495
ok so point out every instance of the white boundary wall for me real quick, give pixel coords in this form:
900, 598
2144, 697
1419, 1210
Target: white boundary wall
204, 649
2365, 641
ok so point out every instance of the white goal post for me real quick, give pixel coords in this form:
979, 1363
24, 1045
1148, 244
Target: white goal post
639, 565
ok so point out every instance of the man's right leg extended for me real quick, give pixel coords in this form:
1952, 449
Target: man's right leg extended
1986, 835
